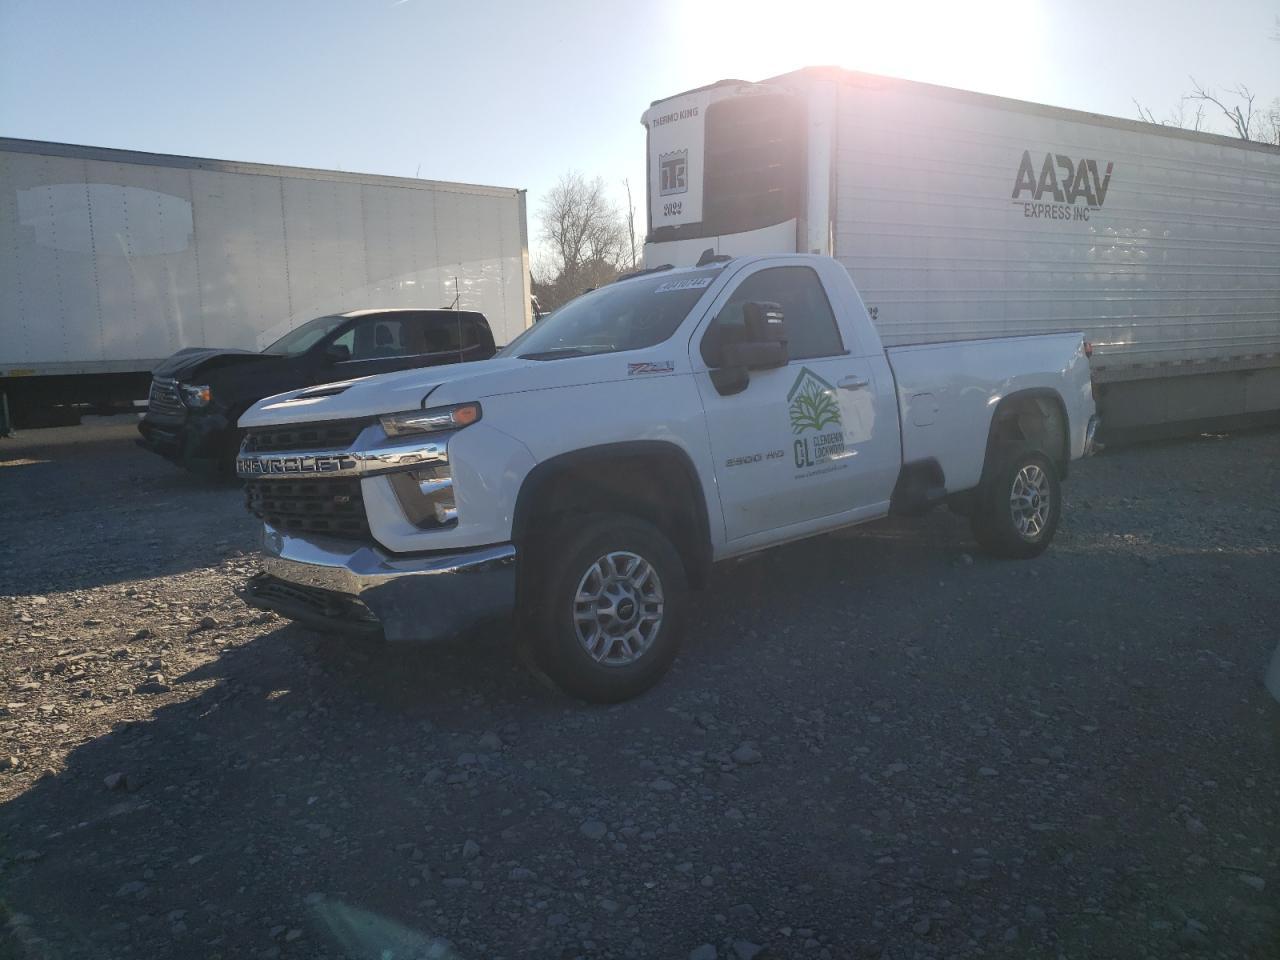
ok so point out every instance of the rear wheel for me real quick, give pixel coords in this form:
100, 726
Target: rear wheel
611, 601
1017, 509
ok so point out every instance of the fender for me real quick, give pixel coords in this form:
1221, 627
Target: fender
1063, 456
692, 537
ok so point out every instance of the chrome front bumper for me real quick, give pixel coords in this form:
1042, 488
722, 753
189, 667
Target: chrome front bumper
348, 587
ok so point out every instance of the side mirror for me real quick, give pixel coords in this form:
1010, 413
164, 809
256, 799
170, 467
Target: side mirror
760, 343
337, 353
764, 320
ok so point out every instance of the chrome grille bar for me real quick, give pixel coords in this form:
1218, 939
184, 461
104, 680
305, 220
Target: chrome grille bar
165, 399
370, 461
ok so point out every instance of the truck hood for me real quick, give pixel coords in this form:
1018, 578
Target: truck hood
194, 362
455, 383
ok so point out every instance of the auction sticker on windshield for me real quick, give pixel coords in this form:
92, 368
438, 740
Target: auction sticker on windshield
689, 283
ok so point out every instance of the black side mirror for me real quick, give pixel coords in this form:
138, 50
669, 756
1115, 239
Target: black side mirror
337, 352
764, 321
762, 344
758, 343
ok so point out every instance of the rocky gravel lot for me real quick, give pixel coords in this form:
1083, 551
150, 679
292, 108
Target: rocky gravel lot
874, 745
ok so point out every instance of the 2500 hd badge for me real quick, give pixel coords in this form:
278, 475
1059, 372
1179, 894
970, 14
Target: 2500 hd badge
755, 458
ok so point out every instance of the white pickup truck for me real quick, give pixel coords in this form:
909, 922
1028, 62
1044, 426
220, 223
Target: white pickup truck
588, 476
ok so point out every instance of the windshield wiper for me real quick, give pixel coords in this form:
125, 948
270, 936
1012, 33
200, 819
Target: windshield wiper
555, 354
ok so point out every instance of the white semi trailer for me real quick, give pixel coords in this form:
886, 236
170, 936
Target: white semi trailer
112, 260
966, 216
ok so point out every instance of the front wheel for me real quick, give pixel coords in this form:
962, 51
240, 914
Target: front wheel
611, 606
1018, 507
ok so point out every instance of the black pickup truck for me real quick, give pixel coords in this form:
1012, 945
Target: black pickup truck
197, 395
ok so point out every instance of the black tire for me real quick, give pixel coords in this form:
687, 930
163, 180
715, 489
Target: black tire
995, 523
570, 557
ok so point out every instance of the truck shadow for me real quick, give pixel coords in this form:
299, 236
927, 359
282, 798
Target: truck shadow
306, 764
312, 784
306, 777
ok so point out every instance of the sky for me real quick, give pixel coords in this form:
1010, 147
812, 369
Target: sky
517, 93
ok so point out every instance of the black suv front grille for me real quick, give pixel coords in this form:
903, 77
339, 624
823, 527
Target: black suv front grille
325, 435
165, 400
332, 506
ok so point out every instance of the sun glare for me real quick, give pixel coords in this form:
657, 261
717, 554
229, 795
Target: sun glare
988, 46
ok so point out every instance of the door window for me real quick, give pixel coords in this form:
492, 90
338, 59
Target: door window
388, 336
811, 324
348, 340
472, 334
449, 333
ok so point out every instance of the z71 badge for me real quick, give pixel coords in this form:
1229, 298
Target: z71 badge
651, 366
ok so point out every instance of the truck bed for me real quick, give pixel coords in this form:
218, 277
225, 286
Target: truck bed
948, 391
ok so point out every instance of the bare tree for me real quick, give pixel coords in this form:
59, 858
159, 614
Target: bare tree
631, 222
586, 237
1145, 114
1269, 128
1176, 117
1242, 115
1238, 106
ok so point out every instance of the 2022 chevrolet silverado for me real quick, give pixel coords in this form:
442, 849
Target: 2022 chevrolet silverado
588, 476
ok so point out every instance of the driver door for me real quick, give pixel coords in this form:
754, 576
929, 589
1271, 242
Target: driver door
797, 448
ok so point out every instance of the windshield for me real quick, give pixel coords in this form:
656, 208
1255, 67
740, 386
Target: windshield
622, 316
301, 339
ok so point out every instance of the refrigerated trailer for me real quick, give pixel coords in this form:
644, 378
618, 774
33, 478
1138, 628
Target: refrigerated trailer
112, 260
967, 216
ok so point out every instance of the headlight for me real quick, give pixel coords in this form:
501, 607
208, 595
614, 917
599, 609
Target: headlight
430, 421
194, 396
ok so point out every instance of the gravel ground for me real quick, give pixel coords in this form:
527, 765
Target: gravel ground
874, 744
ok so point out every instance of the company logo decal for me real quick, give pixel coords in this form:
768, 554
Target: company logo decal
1055, 192
676, 115
673, 172
815, 421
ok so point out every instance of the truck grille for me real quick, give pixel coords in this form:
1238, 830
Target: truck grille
325, 435
331, 506
165, 399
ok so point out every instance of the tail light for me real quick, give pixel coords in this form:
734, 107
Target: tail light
1088, 349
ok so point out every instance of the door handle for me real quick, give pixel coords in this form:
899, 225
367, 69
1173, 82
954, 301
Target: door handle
853, 383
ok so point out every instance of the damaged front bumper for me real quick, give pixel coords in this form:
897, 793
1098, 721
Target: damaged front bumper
340, 586
198, 443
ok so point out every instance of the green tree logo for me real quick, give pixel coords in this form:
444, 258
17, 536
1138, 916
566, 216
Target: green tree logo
813, 403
